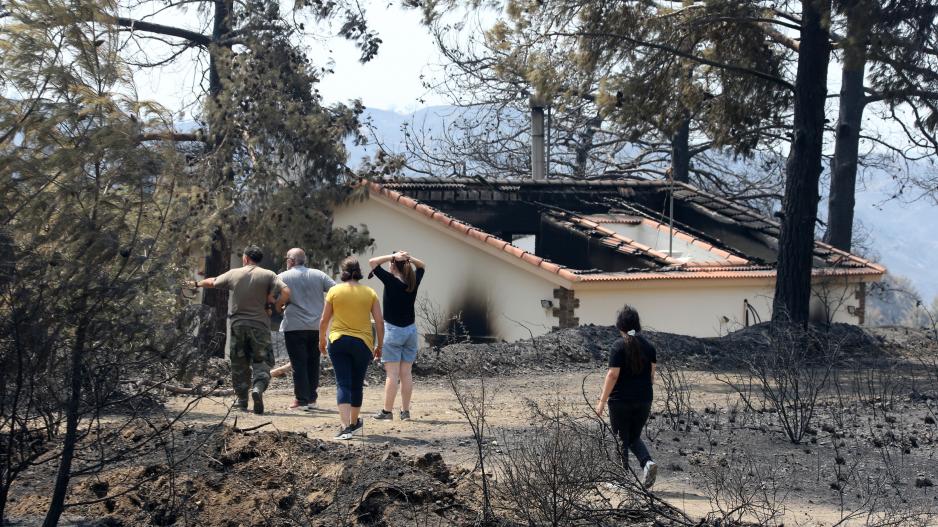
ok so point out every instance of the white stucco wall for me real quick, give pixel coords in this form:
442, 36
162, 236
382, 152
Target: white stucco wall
705, 308
512, 290
457, 267
702, 308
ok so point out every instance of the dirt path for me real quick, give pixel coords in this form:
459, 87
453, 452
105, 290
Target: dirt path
438, 426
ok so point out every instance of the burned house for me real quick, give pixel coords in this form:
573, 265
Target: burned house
515, 258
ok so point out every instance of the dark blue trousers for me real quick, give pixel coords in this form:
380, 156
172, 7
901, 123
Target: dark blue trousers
350, 358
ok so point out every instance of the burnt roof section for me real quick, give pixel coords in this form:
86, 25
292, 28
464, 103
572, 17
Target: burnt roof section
741, 237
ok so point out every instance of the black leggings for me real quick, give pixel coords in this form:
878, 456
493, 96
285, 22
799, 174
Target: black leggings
627, 420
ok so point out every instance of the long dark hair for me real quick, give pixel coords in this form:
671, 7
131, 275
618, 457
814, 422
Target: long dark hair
407, 273
627, 321
351, 270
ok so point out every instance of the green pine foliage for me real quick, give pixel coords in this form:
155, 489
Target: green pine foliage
91, 223
105, 205
279, 167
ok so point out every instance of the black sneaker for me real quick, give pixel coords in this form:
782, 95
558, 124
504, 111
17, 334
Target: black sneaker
356, 426
384, 416
343, 434
405, 415
240, 404
258, 397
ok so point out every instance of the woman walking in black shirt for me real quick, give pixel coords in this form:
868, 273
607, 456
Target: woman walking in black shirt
400, 329
628, 391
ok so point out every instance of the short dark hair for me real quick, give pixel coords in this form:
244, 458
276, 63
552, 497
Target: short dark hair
351, 270
254, 253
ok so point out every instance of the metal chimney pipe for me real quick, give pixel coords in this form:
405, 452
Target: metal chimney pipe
537, 142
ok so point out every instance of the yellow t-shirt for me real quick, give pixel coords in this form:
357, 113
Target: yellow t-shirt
351, 312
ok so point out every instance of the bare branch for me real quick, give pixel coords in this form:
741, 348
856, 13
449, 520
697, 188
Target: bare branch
195, 38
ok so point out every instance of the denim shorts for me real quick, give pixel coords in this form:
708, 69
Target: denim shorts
400, 343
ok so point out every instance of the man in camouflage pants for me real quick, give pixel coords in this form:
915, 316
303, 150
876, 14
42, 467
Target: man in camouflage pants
252, 289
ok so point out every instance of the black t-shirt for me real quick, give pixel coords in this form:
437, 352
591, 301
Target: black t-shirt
632, 387
398, 303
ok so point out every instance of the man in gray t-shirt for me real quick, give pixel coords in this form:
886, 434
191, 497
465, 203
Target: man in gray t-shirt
300, 325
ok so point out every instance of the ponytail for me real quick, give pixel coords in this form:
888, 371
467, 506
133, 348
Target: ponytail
628, 322
407, 273
633, 350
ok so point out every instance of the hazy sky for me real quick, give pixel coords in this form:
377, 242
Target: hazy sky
391, 81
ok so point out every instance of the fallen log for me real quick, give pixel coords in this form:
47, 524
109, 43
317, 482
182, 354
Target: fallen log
195, 390
281, 371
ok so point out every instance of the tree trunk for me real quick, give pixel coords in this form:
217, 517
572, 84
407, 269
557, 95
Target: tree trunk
803, 168
584, 145
72, 408
680, 153
217, 262
849, 123
218, 259
12, 403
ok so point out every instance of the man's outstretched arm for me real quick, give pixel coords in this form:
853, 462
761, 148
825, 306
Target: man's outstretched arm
207, 283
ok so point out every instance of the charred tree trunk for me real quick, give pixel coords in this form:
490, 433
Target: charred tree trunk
849, 122
218, 259
680, 153
72, 408
803, 168
217, 262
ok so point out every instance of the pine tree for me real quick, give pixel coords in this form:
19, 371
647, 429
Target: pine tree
898, 41
803, 169
272, 157
92, 217
634, 88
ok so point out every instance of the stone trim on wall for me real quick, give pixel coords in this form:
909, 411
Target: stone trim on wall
860, 311
564, 310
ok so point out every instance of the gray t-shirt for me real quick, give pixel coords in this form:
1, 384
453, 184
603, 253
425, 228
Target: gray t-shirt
249, 286
307, 289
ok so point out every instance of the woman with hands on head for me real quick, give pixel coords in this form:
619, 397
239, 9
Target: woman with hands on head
349, 341
400, 328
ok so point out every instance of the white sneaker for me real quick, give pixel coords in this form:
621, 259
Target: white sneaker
650, 473
311, 406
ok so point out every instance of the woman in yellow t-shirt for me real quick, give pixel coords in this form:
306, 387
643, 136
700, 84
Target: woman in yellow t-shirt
350, 307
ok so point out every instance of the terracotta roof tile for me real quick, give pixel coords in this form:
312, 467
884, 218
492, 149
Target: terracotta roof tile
497, 242
461, 227
514, 250
852, 257
442, 218
552, 267
407, 202
715, 274
631, 246
532, 259
470, 231
620, 242
423, 209
733, 268
697, 242
614, 218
